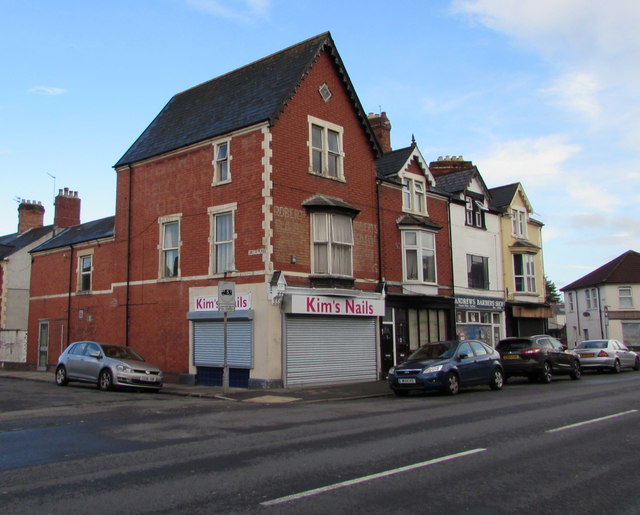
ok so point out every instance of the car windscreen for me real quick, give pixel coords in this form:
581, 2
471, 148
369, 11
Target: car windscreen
442, 350
115, 352
517, 345
593, 345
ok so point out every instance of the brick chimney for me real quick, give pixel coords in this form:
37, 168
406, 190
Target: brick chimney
30, 215
448, 164
67, 209
382, 129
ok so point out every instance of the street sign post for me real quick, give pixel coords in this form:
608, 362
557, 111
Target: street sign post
226, 304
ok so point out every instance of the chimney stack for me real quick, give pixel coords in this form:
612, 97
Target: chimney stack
67, 209
449, 164
382, 129
30, 215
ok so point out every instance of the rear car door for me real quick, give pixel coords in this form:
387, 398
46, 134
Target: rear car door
484, 362
626, 358
466, 364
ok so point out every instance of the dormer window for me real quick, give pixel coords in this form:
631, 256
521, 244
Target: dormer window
413, 195
474, 212
519, 223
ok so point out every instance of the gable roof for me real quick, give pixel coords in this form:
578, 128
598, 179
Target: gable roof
625, 269
12, 243
255, 93
458, 181
393, 162
94, 230
502, 196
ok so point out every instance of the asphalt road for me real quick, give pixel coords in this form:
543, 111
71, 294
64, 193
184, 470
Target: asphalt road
568, 447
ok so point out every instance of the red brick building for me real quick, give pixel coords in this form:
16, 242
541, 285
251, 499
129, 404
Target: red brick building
415, 247
265, 176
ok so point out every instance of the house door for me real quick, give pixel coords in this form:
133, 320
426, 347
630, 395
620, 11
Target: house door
43, 345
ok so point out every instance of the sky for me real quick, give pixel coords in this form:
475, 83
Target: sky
544, 93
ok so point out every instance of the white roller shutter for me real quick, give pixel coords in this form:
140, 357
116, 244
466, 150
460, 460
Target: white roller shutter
208, 343
325, 350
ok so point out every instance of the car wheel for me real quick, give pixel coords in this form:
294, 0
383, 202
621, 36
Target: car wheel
636, 364
616, 367
401, 393
576, 370
497, 380
105, 380
546, 375
61, 376
452, 384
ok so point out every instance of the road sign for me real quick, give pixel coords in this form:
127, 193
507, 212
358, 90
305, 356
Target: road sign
226, 296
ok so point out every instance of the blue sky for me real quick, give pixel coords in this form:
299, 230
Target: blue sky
545, 93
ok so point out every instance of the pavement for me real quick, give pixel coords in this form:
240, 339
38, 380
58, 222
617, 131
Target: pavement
323, 393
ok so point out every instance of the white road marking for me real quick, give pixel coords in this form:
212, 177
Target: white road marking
364, 479
592, 421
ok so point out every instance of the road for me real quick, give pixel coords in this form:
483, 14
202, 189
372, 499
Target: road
568, 447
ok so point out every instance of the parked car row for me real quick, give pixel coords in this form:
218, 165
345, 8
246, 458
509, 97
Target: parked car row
450, 365
107, 366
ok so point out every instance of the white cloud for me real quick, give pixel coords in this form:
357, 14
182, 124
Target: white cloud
533, 161
47, 90
239, 10
577, 92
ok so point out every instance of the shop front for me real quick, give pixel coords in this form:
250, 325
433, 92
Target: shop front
330, 338
480, 318
207, 340
411, 321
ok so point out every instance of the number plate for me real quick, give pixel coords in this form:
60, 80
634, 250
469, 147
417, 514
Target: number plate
407, 381
510, 357
587, 355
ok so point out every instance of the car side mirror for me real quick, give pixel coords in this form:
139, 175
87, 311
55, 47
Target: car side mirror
95, 354
462, 355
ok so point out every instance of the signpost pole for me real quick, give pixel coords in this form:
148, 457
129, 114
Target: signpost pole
225, 370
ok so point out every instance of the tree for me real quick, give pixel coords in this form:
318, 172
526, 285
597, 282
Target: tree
552, 294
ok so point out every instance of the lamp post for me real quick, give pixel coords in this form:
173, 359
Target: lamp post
226, 303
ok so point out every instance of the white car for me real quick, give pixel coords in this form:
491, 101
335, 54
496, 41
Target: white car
606, 354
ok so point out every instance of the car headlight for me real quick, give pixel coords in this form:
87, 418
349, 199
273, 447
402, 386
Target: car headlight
431, 370
124, 368
392, 370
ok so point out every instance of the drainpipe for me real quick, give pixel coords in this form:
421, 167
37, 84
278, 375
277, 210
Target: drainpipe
380, 276
128, 279
69, 294
453, 324
601, 315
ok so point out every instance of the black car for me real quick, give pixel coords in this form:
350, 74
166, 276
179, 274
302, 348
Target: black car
447, 366
538, 358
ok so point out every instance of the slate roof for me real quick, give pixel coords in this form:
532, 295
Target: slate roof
94, 230
11, 243
249, 95
502, 196
455, 182
392, 162
625, 269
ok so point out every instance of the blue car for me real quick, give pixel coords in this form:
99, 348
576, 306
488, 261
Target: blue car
448, 366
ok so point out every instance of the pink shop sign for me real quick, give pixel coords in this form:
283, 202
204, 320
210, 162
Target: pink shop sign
210, 302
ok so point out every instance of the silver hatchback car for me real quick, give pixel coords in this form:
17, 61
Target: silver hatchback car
606, 354
107, 366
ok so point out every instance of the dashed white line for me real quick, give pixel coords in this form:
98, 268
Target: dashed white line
364, 479
592, 421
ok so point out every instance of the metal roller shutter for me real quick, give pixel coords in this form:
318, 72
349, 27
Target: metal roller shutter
208, 343
323, 350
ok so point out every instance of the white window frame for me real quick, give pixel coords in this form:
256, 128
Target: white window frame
414, 196
164, 249
221, 162
571, 306
324, 240
474, 212
587, 296
420, 250
519, 222
82, 273
625, 304
528, 275
214, 212
325, 152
